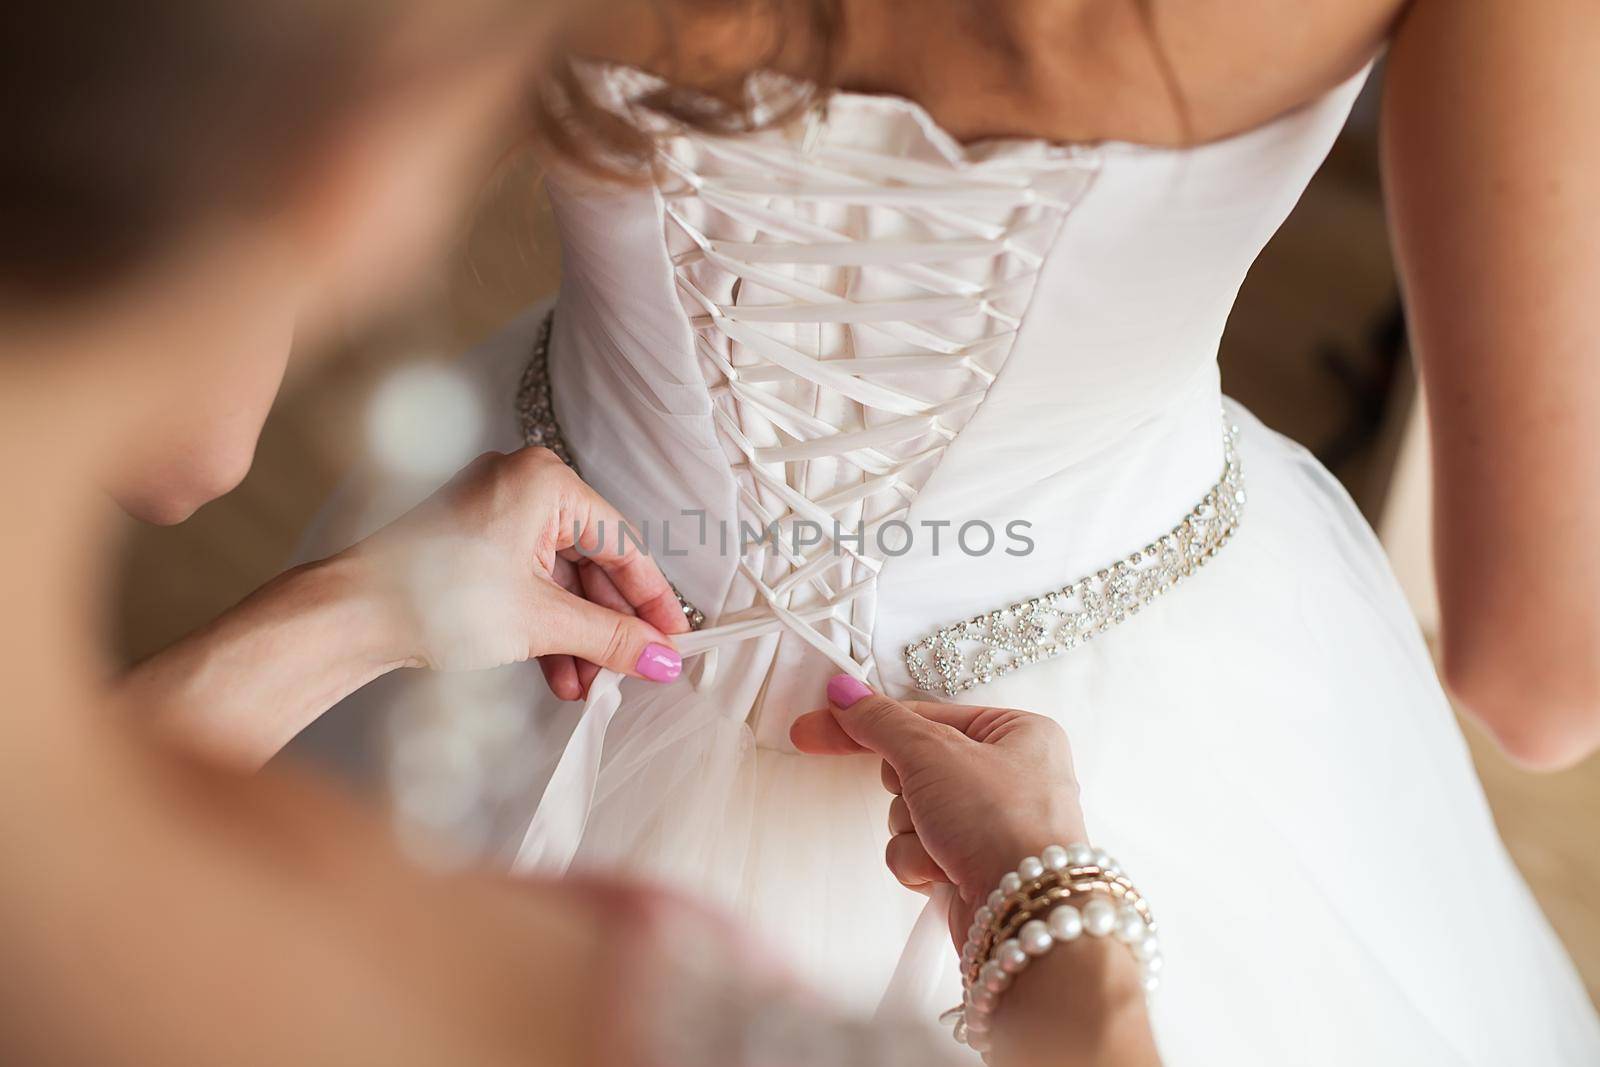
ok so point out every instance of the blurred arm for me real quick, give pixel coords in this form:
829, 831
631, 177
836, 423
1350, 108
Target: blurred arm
484, 573
243, 686
1491, 152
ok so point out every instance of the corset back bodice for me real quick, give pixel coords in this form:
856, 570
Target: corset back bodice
859, 381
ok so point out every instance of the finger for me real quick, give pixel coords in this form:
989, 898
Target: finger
576, 678
910, 863
622, 643
595, 528
565, 573
962, 717
818, 733
598, 587
900, 816
890, 778
875, 722
595, 586
587, 673
561, 676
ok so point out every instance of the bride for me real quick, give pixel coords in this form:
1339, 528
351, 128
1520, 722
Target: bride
913, 378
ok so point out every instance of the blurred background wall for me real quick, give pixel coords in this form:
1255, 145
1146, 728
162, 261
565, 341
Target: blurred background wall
1315, 347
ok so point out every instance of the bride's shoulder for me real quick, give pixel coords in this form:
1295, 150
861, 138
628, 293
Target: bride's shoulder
1181, 73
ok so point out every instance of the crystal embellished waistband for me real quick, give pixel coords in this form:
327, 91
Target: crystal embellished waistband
970, 653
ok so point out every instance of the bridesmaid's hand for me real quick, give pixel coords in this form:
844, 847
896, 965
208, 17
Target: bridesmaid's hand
488, 572
976, 789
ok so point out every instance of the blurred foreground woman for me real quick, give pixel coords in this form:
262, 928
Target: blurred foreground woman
184, 185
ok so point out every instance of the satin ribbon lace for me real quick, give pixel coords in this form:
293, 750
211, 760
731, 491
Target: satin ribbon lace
854, 348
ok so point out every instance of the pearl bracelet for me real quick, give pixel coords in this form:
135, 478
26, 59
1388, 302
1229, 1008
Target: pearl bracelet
1030, 912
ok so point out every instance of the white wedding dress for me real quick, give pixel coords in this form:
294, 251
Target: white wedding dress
858, 319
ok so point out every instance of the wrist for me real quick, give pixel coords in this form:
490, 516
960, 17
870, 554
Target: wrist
1081, 1003
366, 621
1068, 905
244, 685
1014, 840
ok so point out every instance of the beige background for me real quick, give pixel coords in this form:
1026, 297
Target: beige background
1315, 294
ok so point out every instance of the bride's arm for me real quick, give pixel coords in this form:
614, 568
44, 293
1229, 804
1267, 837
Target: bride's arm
1491, 153
483, 574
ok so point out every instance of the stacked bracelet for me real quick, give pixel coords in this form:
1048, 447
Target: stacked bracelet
1059, 895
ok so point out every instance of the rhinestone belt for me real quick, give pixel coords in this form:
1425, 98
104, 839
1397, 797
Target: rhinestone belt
536, 412
979, 650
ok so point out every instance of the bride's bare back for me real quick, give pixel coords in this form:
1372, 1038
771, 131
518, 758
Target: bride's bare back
1060, 70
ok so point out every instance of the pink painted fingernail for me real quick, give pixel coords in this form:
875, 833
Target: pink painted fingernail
659, 663
843, 690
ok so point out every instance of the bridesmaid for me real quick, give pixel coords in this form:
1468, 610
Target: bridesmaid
184, 185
